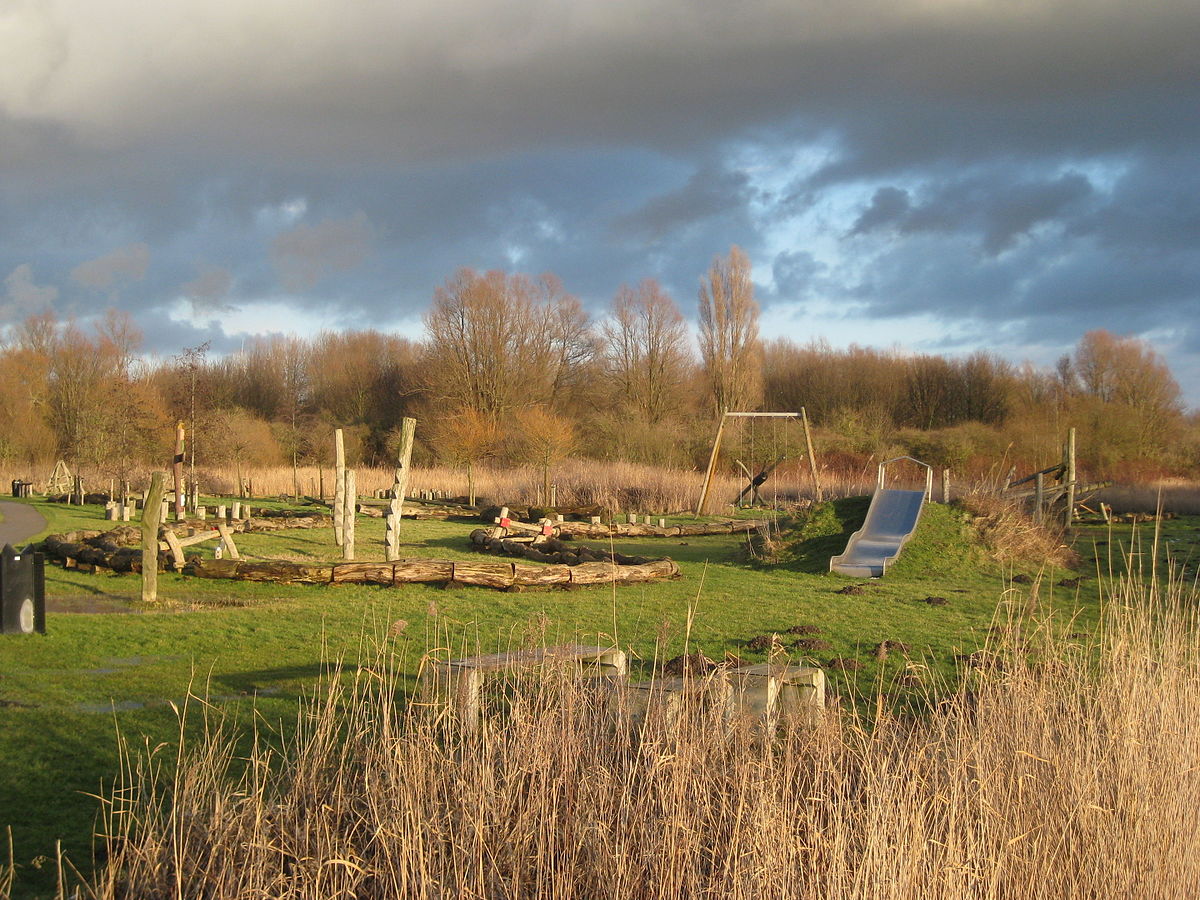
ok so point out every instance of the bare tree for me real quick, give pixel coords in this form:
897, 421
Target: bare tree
646, 350
545, 439
500, 342
464, 439
729, 344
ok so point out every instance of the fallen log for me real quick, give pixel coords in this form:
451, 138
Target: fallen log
549, 550
499, 575
570, 530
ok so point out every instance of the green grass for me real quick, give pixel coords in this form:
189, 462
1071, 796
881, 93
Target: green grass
258, 648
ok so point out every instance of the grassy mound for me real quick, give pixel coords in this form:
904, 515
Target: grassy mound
947, 539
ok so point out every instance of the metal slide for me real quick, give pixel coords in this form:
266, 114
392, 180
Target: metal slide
891, 520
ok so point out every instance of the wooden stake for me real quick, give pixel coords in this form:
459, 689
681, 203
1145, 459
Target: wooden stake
151, 512
812, 457
945, 485
339, 487
1039, 496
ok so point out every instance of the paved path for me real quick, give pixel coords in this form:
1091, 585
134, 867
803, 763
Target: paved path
20, 523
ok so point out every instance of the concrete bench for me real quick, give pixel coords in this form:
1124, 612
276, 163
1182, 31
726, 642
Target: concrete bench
459, 682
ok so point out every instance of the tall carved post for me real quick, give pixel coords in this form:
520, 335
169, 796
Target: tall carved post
348, 517
408, 430
151, 519
339, 486
177, 471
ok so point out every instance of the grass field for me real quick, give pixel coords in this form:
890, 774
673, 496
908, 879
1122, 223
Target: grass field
257, 649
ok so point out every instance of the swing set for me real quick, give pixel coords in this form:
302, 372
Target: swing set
766, 468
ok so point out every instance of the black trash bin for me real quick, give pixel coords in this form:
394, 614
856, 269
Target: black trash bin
22, 488
22, 591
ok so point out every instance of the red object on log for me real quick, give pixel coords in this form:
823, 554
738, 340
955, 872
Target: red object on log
505, 522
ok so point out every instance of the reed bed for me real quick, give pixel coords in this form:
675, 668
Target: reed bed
616, 486
1066, 767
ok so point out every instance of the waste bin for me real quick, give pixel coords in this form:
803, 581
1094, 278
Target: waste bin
22, 591
22, 488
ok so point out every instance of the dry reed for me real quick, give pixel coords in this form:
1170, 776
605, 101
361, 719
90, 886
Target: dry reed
1068, 771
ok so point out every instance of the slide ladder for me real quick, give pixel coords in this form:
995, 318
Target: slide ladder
891, 520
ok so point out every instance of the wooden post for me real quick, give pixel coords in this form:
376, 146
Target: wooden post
349, 517
712, 467
177, 471
151, 512
227, 536
1069, 519
1039, 496
339, 486
174, 546
408, 431
945, 485
812, 457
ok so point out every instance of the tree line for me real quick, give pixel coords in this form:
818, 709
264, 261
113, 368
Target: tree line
512, 368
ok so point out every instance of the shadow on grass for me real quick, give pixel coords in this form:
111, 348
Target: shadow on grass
809, 543
267, 681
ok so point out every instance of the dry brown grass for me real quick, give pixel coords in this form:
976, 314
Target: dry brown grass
1179, 497
1071, 773
1011, 536
617, 486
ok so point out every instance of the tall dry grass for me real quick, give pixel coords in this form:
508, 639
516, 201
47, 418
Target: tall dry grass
1067, 769
617, 486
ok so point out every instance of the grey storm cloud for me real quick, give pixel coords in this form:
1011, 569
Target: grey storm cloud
207, 291
1029, 165
307, 253
23, 297
112, 269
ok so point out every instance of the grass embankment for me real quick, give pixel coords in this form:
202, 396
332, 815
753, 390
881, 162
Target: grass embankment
257, 649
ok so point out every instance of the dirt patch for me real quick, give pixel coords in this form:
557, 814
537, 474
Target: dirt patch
804, 629
91, 605
762, 643
812, 644
936, 601
844, 664
852, 589
691, 664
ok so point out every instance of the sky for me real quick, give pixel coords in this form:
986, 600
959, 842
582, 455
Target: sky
930, 175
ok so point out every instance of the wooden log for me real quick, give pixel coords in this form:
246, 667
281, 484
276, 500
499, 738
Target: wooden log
201, 567
151, 517
364, 573
494, 575
532, 576
419, 571
285, 572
